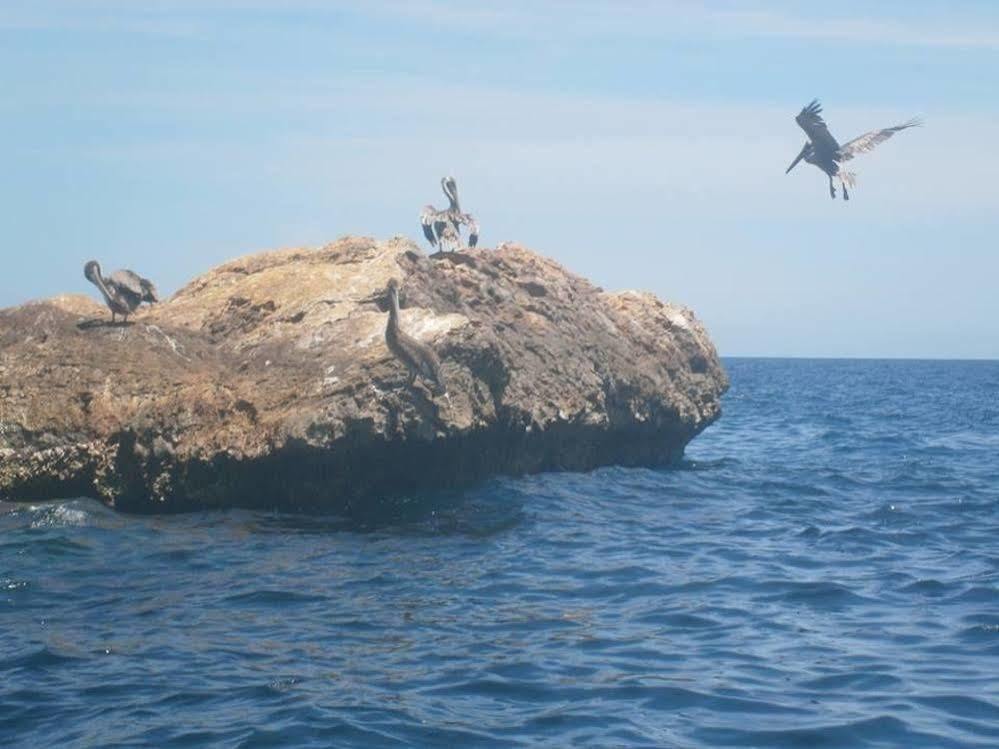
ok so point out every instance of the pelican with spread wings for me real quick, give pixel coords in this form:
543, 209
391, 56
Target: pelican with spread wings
443, 228
823, 151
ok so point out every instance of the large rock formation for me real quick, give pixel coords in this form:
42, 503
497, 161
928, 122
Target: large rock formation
266, 382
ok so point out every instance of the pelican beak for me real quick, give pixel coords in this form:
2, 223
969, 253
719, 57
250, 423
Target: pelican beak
797, 158
376, 298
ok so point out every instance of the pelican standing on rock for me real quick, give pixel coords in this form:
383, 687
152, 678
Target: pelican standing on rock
123, 290
823, 151
418, 357
443, 228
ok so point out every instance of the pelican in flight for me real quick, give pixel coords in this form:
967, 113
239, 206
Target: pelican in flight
443, 228
822, 149
419, 358
123, 290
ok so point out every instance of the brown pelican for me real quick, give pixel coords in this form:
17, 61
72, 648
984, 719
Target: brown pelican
443, 228
822, 149
123, 290
418, 357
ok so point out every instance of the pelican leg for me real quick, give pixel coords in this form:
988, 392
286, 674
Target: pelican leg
832, 189
846, 195
113, 317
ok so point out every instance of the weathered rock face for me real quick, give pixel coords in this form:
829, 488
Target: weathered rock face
267, 382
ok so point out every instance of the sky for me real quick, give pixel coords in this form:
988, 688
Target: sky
641, 144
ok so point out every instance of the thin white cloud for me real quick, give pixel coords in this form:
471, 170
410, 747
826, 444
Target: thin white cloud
677, 18
863, 30
556, 20
96, 17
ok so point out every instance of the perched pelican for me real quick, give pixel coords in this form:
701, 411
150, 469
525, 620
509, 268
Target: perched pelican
822, 149
123, 290
418, 357
443, 228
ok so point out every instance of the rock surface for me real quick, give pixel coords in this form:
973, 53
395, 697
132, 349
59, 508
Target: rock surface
266, 382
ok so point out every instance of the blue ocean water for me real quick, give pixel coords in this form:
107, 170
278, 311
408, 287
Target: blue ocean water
822, 570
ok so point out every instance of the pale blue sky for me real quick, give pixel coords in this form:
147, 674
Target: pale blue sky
642, 144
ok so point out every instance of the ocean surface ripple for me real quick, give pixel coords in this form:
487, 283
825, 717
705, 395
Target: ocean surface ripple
820, 571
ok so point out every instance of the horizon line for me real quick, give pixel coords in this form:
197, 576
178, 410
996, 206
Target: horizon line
822, 357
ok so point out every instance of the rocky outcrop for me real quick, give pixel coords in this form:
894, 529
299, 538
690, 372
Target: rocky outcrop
266, 382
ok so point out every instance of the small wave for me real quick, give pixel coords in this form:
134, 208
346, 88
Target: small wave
59, 516
978, 594
483, 513
272, 598
863, 681
985, 633
885, 730
818, 594
677, 698
72, 513
793, 488
929, 588
681, 621
708, 465
514, 689
961, 706
39, 659
49, 545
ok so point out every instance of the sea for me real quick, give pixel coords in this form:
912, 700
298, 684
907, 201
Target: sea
821, 570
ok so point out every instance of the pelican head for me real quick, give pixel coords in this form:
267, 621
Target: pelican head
390, 299
805, 151
92, 271
392, 288
450, 188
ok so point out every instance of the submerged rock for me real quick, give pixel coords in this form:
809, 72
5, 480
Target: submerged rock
266, 382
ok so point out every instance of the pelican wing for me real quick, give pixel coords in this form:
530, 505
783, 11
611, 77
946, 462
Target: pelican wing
868, 141
128, 282
810, 120
418, 357
430, 221
430, 368
429, 364
473, 228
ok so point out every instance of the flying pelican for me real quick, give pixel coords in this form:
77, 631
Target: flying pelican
123, 290
443, 228
822, 149
418, 357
